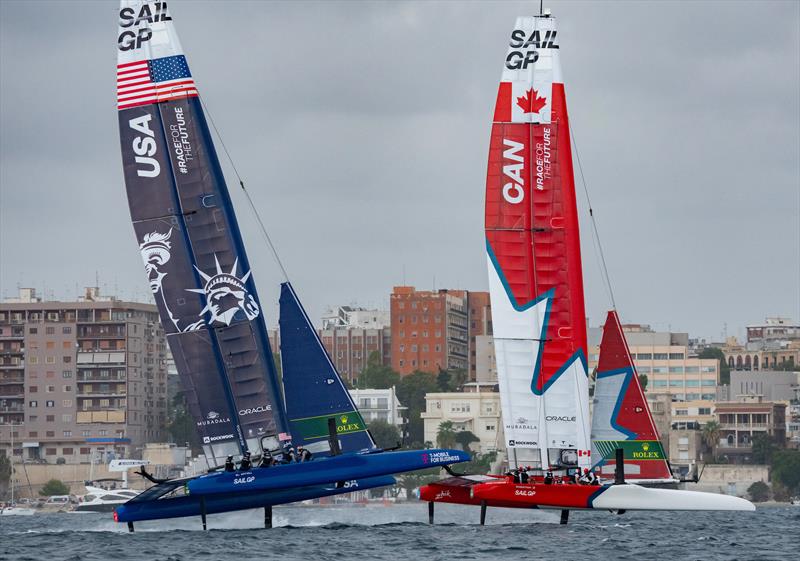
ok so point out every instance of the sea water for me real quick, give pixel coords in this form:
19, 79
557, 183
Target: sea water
400, 532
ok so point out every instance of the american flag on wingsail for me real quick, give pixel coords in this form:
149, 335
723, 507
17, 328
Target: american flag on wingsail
151, 81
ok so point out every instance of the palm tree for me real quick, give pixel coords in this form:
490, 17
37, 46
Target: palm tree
711, 432
446, 436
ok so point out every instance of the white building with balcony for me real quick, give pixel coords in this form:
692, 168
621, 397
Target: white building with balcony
477, 412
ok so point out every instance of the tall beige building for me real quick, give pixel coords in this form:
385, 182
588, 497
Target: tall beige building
82, 379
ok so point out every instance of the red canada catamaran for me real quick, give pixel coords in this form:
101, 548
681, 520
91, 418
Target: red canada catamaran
536, 290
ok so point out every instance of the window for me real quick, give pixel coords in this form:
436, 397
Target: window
50, 330
708, 369
364, 402
103, 432
50, 403
33, 403
692, 383
709, 396
692, 396
66, 359
50, 451
681, 412
33, 330
643, 369
50, 360
659, 370
659, 383
66, 418
413, 348
676, 369
33, 360
676, 356
68, 433
66, 330
708, 382
66, 374
490, 427
692, 369
33, 434
51, 389
67, 403
50, 418
85, 433
704, 411
644, 356
67, 451
424, 348
401, 363
402, 348
660, 356
50, 434
438, 348
33, 389
85, 451
676, 383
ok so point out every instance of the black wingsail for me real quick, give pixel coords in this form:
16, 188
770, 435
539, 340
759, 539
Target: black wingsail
190, 242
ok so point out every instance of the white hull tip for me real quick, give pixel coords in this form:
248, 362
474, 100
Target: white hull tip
634, 497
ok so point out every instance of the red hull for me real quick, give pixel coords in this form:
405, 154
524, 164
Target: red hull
500, 492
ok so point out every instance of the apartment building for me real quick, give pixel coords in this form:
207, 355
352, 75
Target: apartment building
742, 420
351, 335
429, 330
81, 379
379, 405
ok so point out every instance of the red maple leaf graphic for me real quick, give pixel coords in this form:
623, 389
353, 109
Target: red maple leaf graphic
531, 102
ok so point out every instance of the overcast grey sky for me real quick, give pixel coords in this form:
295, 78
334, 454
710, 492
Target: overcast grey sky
362, 129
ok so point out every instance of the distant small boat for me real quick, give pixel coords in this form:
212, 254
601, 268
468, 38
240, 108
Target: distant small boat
795, 501
14, 510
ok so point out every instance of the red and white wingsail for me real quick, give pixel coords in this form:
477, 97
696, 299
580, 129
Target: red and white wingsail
533, 248
621, 417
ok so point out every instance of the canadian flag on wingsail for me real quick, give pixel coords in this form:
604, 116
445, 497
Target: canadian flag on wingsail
523, 102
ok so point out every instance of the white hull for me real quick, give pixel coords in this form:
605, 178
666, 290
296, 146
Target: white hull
634, 497
17, 511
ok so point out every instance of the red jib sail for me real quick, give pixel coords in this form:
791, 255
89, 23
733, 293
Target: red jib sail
621, 417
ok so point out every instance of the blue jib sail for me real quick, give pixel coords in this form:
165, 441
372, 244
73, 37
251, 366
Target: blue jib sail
314, 390
189, 240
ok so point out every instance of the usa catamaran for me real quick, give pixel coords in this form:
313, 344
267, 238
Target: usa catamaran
201, 280
536, 290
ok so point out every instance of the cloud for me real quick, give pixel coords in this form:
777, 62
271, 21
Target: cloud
361, 130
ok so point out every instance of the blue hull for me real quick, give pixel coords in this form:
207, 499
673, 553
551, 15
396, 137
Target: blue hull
344, 467
154, 505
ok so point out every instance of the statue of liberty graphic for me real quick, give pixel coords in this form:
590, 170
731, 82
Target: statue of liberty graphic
226, 294
155, 249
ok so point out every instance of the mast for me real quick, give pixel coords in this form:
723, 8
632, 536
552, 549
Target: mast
533, 255
189, 240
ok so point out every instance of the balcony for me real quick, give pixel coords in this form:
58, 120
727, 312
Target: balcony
745, 426
92, 377
12, 408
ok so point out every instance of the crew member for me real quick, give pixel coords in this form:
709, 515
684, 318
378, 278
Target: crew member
266, 459
576, 476
523, 475
289, 455
304, 454
548, 478
246, 463
229, 464
593, 478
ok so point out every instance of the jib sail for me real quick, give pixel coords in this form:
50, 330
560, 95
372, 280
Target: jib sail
315, 393
189, 239
621, 417
533, 248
